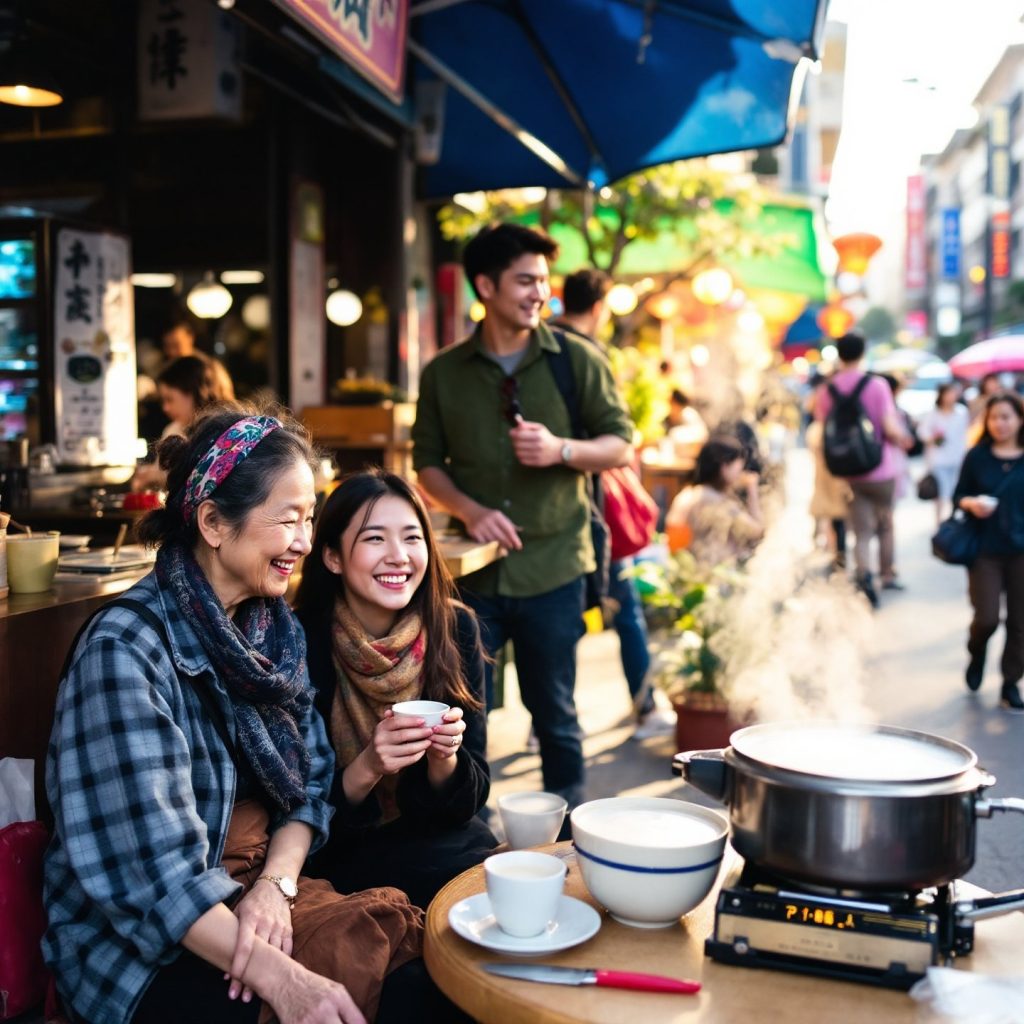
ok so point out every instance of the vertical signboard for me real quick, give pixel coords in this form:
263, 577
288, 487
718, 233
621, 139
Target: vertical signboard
1000, 255
368, 34
951, 244
916, 257
307, 326
94, 358
187, 61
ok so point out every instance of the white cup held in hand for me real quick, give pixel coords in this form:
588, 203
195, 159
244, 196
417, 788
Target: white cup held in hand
524, 889
431, 711
531, 819
988, 502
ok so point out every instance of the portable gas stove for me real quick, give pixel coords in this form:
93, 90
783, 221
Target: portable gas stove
886, 939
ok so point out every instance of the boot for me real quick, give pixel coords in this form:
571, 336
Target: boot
1010, 699
975, 671
867, 588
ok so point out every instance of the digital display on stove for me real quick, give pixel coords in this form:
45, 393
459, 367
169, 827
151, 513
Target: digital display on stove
826, 916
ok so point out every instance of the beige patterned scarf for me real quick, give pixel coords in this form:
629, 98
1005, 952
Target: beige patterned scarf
372, 675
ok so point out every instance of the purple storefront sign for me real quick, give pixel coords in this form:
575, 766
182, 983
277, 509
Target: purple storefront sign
368, 34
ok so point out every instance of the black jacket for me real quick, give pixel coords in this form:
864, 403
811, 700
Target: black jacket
418, 801
1002, 533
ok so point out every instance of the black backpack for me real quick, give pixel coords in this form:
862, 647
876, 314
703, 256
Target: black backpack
853, 446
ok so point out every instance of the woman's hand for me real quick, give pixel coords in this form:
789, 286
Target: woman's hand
447, 738
262, 912
307, 998
397, 744
978, 508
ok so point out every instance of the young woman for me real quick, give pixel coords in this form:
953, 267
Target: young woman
944, 432
991, 488
720, 527
189, 773
382, 626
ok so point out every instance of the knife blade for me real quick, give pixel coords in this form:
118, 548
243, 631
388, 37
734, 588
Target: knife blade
592, 976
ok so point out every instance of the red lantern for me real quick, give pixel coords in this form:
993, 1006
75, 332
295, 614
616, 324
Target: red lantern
835, 320
855, 251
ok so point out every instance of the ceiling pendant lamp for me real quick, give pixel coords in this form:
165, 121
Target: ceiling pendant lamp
25, 81
209, 300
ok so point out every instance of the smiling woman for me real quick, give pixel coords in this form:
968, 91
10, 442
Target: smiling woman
383, 627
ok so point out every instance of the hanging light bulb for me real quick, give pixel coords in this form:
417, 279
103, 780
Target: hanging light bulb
343, 307
25, 82
477, 311
713, 287
209, 300
621, 299
256, 312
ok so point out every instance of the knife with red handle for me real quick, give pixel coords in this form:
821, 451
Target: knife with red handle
592, 976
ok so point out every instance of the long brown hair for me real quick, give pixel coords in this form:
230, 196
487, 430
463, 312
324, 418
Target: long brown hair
434, 599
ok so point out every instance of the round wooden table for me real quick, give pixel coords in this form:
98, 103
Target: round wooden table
730, 994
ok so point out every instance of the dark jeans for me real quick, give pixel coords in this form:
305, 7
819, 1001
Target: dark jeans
544, 630
989, 577
631, 626
192, 990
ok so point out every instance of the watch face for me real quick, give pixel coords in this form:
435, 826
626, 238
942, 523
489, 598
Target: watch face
289, 888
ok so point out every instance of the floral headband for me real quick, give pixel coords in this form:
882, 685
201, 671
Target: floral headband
231, 448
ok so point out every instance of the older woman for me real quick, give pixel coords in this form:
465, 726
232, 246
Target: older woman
188, 770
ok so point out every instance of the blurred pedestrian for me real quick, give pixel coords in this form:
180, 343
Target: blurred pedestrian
991, 489
830, 500
944, 433
871, 510
989, 385
685, 429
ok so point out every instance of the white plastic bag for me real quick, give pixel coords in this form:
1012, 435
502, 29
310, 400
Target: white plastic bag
17, 790
972, 998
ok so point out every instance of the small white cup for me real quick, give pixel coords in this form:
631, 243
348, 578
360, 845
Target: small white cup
988, 501
531, 819
431, 711
524, 889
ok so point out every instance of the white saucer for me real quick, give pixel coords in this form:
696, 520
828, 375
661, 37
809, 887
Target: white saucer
575, 922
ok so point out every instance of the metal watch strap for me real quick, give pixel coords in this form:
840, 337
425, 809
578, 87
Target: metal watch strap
278, 880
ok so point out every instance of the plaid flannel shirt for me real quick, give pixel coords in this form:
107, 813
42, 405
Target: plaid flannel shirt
141, 788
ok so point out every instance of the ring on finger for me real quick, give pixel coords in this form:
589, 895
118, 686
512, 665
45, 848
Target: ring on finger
455, 741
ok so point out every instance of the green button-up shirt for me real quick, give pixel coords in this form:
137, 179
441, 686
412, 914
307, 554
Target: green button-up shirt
461, 428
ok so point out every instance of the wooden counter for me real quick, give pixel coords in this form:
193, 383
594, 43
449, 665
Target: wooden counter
730, 995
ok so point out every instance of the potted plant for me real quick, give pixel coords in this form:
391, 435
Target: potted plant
364, 391
685, 612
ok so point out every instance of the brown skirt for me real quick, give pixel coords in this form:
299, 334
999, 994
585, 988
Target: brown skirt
355, 940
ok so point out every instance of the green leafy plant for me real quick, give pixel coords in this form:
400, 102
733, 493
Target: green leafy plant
365, 391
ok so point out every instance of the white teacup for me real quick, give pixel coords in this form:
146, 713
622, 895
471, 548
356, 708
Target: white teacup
431, 711
531, 819
524, 889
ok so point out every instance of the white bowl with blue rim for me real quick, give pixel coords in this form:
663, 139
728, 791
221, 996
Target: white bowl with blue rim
648, 860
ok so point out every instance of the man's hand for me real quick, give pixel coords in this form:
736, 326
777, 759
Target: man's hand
535, 445
490, 524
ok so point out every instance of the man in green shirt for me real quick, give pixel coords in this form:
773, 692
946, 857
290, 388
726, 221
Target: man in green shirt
493, 445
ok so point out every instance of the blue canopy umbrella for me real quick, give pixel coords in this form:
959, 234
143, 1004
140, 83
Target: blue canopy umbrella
570, 92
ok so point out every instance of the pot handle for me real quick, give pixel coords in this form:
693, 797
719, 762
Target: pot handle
986, 808
990, 906
704, 769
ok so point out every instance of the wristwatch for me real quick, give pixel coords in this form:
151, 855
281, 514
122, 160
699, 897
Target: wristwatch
288, 889
566, 452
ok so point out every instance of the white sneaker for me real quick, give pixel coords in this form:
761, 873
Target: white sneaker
655, 723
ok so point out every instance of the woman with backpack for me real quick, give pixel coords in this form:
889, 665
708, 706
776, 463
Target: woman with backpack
991, 489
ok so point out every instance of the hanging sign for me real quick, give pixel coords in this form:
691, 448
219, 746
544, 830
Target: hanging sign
917, 252
94, 357
951, 244
307, 325
187, 61
1000, 255
368, 34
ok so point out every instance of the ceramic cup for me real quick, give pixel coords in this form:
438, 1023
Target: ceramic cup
524, 889
531, 819
32, 561
431, 711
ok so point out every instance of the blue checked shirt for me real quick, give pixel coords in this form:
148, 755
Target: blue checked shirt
141, 788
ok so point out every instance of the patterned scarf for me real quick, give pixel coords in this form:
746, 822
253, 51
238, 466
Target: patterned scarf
260, 658
372, 675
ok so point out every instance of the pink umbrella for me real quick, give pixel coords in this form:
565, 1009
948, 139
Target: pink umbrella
997, 355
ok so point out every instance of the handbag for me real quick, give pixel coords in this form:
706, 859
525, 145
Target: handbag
928, 487
630, 512
957, 540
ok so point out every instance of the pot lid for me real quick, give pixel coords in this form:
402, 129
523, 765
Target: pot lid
857, 752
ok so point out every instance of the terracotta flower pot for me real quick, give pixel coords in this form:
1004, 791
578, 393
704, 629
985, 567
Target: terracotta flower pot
704, 721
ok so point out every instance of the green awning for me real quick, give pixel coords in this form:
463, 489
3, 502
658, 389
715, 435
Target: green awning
795, 269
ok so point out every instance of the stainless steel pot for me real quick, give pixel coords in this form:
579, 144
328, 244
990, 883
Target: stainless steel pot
862, 808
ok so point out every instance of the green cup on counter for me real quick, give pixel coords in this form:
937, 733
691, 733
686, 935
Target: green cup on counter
32, 561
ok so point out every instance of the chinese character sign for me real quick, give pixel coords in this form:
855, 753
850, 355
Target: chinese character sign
368, 34
916, 256
94, 358
951, 244
187, 61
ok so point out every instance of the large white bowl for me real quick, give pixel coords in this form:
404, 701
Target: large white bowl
648, 860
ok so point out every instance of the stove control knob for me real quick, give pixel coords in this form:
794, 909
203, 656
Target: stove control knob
741, 947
